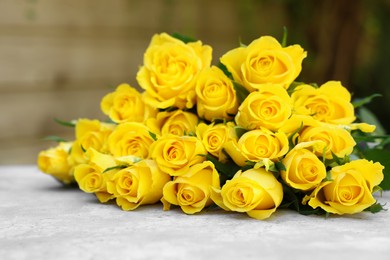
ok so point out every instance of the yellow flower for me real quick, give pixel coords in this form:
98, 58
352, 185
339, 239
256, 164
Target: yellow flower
257, 145
268, 107
330, 103
138, 184
176, 122
126, 104
91, 177
215, 136
264, 62
176, 154
255, 191
335, 140
89, 134
191, 191
55, 162
304, 171
350, 190
130, 138
170, 71
215, 95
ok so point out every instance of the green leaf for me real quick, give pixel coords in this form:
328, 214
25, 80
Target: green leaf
222, 67
122, 166
280, 166
381, 156
226, 170
54, 138
363, 101
241, 92
183, 38
375, 208
240, 131
153, 135
65, 123
365, 115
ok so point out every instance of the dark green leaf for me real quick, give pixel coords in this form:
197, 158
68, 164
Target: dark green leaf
222, 67
241, 92
365, 115
375, 208
65, 123
280, 166
54, 138
383, 157
240, 131
226, 170
183, 38
153, 135
360, 102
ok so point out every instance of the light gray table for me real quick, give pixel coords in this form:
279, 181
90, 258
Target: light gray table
39, 219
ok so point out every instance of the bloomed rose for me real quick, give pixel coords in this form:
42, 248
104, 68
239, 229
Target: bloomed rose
257, 145
176, 154
255, 191
191, 191
176, 122
89, 134
130, 139
330, 103
267, 107
55, 162
264, 62
215, 94
303, 169
335, 140
126, 104
350, 189
170, 71
215, 136
139, 184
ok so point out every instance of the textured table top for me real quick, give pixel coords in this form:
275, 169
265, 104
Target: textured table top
39, 219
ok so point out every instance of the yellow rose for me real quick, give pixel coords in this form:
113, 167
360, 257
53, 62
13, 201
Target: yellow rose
126, 104
176, 122
89, 134
257, 145
55, 162
91, 177
170, 71
264, 62
350, 190
268, 107
176, 154
138, 184
335, 140
191, 191
130, 138
255, 191
330, 103
215, 136
215, 95
304, 171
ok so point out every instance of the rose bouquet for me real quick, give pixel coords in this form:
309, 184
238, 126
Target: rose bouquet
242, 135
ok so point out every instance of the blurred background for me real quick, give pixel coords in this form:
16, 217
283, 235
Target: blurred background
59, 58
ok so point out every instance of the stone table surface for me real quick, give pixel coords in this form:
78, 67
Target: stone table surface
40, 219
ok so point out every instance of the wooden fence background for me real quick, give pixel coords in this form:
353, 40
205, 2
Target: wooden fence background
58, 58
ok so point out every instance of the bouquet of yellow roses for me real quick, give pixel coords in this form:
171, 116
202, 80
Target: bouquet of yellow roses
242, 135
